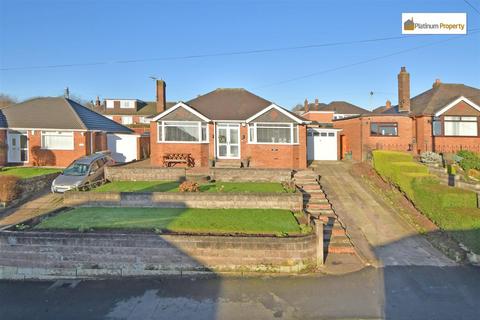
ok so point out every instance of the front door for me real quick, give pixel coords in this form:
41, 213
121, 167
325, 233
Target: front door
17, 147
228, 141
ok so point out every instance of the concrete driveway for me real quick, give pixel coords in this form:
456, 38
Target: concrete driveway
381, 234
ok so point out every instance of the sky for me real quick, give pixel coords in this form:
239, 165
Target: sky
95, 35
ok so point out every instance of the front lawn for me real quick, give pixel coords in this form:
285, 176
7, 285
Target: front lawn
215, 221
172, 186
27, 172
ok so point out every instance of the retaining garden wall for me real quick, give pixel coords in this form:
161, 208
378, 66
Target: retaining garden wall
288, 201
30, 186
43, 255
126, 173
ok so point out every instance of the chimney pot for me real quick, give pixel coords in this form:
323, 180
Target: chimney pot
305, 105
436, 83
316, 102
403, 90
161, 96
388, 104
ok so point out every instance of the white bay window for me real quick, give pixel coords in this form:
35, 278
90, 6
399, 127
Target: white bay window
182, 131
273, 133
57, 140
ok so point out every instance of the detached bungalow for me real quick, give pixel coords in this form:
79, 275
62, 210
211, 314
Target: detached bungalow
230, 125
52, 131
443, 119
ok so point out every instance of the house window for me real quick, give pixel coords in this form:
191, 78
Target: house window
182, 131
127, 120
125, 104
273, 133
437, 126
144, 120
461, 126
57, 140
384, 129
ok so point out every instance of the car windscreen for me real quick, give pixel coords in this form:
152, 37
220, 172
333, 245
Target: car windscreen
76, 169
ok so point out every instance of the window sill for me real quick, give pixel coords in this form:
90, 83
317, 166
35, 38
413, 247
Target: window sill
182, 142
275, 144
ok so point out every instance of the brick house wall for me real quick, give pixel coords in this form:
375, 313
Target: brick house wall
3, 147
262, 155
319, 117
359, 140
58, 158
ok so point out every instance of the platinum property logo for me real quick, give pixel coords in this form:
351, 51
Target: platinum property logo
434, 23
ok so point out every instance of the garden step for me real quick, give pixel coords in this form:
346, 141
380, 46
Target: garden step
315, 201
339, 240
321, 211
306, 173
339, 249
323, 205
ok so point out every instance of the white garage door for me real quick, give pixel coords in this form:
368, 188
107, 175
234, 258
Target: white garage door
322, 144
122, 146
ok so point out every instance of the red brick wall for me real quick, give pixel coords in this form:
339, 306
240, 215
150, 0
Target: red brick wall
58, 158
3, 147
320, 117
198, 151
360, 142
262, 155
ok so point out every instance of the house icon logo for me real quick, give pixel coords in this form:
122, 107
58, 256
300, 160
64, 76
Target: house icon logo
409, 25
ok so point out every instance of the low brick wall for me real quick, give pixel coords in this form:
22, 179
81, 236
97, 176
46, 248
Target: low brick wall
43, 255
130, 173
288, 201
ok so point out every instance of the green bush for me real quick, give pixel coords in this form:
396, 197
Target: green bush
470, 160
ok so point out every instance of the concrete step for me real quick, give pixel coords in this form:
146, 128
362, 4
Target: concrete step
228, 164
315, 201
322, 212
339, 249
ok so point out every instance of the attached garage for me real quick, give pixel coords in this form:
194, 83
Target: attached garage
322, 144
123, 147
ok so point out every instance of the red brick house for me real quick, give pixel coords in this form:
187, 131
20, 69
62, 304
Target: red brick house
230, 125
134, 113
52, 131
443, 119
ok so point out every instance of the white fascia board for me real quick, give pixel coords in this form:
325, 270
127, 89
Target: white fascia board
180, 105
454, 103
274, 106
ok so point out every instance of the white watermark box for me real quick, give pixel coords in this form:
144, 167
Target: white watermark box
434, 23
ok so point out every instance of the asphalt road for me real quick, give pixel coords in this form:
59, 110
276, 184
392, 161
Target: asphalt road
401, 292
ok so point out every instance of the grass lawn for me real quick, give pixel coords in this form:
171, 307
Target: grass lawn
246, 221
172, 186
27, 172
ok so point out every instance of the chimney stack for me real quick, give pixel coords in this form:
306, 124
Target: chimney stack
97, 102
305, 105
316, 103
404, 90
436, 83
161, 96
388, 104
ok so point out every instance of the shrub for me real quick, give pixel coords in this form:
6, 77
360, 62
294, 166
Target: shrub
430, 157
189, 186
469, 160
9, 188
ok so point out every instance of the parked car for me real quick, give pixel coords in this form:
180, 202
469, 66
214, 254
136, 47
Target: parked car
83, 173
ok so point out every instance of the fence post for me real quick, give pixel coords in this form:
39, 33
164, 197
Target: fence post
319, 234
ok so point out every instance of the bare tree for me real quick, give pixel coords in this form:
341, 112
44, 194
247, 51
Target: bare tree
6, 100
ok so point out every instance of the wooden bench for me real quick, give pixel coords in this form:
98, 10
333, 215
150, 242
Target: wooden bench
171, 159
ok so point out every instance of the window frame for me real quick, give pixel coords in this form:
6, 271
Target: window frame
45, 133
200, 124
443, 120
126, 117
380, 124
253, 140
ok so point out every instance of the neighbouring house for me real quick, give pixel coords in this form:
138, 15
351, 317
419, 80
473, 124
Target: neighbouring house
54, 131
443, 119
135, 113
323, 140
230, 125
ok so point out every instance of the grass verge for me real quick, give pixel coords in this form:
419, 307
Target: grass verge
27, 172
172, 186
185, 220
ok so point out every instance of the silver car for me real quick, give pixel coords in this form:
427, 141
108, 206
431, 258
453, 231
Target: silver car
83, 173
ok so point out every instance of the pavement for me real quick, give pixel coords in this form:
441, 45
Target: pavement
393, 292
381, 235
39, 205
